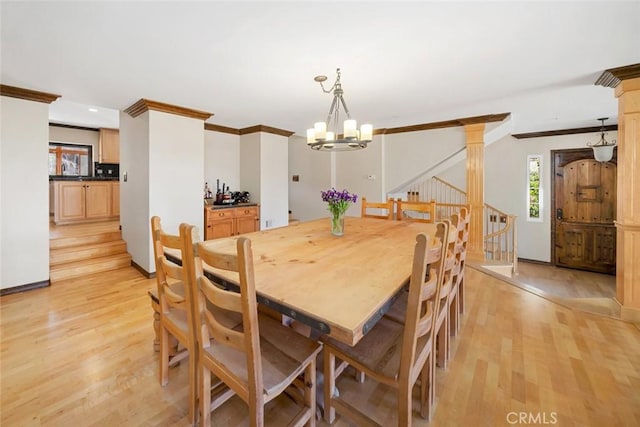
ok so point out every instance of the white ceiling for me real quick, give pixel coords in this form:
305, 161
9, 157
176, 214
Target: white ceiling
251, 63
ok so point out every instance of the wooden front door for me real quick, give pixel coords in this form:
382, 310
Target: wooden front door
584, 207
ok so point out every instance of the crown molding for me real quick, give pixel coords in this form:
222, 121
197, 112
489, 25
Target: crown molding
222, 129
144, 105
248, 130
592, 129
266, 129
381, 131
488, 118
613, 76
27, 94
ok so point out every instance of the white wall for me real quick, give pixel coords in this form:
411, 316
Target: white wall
176, 170
222, 160
24, 192
409, 154
274, 192
134, 192
250, 167
163, 157
314, 171
263, 173
353, 169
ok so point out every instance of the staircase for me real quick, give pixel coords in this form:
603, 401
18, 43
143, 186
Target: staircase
500, 238
79, 255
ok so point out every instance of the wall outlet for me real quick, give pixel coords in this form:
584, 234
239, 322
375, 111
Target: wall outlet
371, 177
269, 222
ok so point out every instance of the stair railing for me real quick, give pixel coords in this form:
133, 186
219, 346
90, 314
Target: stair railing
500, 237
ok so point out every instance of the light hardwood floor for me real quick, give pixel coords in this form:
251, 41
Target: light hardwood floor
582, 290
80, 353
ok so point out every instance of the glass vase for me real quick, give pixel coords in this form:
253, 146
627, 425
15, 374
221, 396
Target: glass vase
337, 225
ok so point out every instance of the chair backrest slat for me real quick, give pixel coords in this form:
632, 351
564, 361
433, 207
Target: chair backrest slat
383, 206
168, 272
416, 211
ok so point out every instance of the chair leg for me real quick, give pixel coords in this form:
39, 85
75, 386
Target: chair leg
453, 316
310, 392
461, 292
205, 395
443, 341
163, 375
193, 384
404, 405
329, 384
427, 385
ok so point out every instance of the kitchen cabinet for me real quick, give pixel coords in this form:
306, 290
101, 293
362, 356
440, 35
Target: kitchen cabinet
109, 146
76, 201
115, 198
230, 221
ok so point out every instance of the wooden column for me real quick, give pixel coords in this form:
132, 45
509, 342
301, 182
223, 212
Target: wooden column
475, 187
628, 209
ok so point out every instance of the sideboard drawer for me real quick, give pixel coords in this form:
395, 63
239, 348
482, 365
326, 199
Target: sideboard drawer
248, 211
221, 214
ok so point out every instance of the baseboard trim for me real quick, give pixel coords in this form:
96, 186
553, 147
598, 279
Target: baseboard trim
24, 288
630, 314
534, 261
142, 271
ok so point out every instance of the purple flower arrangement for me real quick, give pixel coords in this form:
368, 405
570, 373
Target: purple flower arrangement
338, 201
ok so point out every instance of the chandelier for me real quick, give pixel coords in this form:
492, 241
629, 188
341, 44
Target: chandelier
603, 150
321, 139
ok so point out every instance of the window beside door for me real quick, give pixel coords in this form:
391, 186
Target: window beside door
534, 188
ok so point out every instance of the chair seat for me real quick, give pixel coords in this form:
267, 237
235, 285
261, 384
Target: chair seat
284, 353
380, 349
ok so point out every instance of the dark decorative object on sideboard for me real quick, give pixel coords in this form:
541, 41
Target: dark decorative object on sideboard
240, 196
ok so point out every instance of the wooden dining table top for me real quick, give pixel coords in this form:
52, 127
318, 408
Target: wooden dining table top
338, 285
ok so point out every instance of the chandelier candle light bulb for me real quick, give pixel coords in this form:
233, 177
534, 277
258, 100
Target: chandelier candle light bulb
318, 138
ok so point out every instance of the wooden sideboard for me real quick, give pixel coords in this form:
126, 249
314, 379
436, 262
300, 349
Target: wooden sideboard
222, 221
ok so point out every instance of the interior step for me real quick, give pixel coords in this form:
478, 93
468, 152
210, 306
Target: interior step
88, 266
503, 268
76, 253
84, 239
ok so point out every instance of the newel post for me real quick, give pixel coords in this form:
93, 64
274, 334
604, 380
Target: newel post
475, 187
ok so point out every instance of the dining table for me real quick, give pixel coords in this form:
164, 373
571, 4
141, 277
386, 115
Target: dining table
339, 285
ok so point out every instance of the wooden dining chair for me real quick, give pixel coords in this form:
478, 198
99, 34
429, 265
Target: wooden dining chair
442, 314
256, 360
175, 309
465, 215
416, 211
456, 294
383, 210
392, 353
